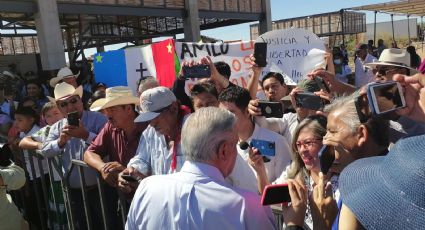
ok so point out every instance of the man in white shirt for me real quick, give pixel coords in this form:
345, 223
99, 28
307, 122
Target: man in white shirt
236, 100
198, 197
159, 151
363, 75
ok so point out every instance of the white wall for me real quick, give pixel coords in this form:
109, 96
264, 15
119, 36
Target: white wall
400, 29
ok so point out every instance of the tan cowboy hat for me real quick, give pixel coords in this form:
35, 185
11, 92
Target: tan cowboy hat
118, 95
394, 57
63, 73
64, 90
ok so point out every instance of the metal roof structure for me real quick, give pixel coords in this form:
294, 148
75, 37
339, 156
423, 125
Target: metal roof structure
96, 23
401, 7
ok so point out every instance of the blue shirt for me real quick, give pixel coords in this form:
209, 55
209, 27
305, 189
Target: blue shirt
197, 197
75, 147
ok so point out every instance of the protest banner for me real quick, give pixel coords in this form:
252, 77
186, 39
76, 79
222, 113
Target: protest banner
236, 54
288, 53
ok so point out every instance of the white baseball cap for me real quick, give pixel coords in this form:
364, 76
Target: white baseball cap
152, 101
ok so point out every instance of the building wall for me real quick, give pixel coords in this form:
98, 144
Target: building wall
384, 29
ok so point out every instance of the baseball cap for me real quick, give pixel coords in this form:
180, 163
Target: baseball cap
152, 101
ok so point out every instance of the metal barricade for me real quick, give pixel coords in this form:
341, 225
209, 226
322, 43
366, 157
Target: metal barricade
41, 196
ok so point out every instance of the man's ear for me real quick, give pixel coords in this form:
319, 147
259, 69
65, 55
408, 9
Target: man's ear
222, 152
174, 107
362, 135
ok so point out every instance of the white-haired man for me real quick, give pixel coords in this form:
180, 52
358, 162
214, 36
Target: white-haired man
159, 151
198, 197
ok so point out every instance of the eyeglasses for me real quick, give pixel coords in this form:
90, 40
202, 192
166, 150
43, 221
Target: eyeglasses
384, 70
306, 143
64, 104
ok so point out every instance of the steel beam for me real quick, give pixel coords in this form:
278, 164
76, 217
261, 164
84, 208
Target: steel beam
229, 15
18, 7
67, 8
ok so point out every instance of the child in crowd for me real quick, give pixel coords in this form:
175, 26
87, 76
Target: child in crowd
26, 122
51, 114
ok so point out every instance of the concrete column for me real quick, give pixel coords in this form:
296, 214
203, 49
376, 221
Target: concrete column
69, 44
49, 35
266, 18
192, 31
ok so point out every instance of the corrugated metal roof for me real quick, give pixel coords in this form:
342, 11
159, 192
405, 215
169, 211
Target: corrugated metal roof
401, 7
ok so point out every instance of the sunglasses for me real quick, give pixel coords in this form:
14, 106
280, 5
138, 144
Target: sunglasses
72, 101
384, 71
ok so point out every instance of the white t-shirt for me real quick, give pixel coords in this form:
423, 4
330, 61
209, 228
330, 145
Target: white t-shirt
244, 176
284, 126
363, 75
27, 156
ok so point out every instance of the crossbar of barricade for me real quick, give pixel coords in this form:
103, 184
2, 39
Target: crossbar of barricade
45, 215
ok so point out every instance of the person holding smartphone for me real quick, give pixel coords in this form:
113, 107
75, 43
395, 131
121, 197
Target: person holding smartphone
198, 197
236, 100
305, 166
71, 142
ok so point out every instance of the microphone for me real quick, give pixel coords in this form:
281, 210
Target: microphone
243, 145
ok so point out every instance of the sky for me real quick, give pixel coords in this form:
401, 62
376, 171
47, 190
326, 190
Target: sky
283, 9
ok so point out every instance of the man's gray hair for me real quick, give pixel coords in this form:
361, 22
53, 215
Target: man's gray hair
147, 83
347, 106
204, 131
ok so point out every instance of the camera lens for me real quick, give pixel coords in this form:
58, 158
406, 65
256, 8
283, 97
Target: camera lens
268, 110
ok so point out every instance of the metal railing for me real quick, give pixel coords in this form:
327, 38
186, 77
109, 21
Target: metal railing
45, 181
46, 217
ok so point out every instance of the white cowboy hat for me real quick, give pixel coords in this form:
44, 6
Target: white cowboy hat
394, 57
63, 73
64, 90
118, 95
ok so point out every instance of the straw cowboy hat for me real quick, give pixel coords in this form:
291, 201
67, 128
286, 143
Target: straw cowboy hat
64, 90
118, 95
394, 57
63, 73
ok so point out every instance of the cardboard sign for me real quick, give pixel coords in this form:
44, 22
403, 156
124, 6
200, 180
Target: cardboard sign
235, 54
288, 53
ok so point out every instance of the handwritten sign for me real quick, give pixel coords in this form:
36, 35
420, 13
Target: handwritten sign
288, 53
235, 54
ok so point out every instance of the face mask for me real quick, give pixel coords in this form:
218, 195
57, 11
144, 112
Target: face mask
337, 61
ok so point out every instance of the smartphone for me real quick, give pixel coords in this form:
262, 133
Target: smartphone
260, 53
197, 71
309, 101
384, 97
266, 148
129, 178
271, 109
275, 194
326, 157
73, 119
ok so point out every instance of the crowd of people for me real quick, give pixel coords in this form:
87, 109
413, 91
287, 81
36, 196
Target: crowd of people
189, 161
